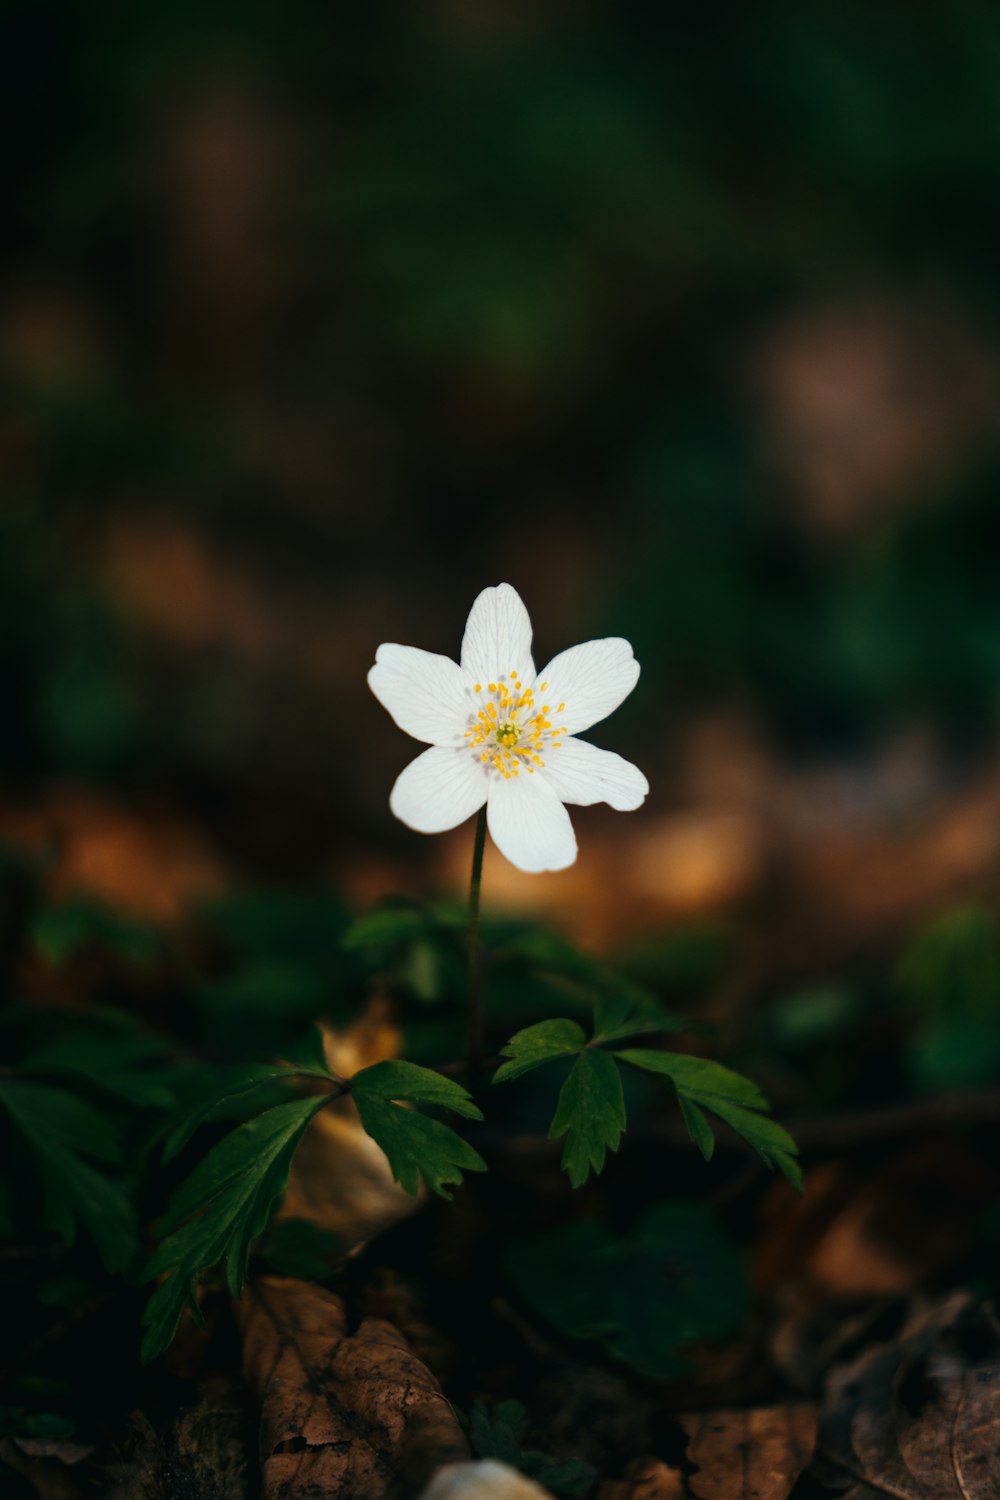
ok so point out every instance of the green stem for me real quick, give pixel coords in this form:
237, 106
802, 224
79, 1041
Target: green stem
474, 1047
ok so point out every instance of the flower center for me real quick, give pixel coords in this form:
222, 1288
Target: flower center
509, 729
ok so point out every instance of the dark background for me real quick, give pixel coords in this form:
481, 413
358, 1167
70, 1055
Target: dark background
316, 320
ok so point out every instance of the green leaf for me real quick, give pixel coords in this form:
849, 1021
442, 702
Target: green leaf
698, 1127
62, 931
305, 1059
952, 1052
385, 927
952, 966
129, 1064
61, 1131
621, 1007
624, 1009
574, 1477
235, 1084
52, 1115
221, 1209
539, 1044
417, 1146
590, 1113
307, 1054
700, 1084
302, 926
406, 1080
674, 1279
500, 1433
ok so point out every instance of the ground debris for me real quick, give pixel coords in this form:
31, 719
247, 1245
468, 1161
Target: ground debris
917, 1417
201, 1454
352, 1414
754, 1454
646, 1479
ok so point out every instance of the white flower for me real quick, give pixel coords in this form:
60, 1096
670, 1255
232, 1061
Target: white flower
503, 735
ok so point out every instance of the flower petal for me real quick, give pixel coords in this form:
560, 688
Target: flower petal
591, 680
529, 825
582, 774
425, 693
498, 638
439, 790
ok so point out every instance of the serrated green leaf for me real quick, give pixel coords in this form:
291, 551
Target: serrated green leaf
386, 927
396, 1079
220, 1211
674, 1279
61, 1130
703, 1084
771, 1141
61, 931
623, 1009
305, 1061
237, 1083
590, 1113
237, 1162
699, 1077
51, 1114
573, 1477
499, 1433
416, 1145
541, 1043
307, 1055
698, 1127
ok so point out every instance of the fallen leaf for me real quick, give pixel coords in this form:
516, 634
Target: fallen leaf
66, 1451
917, 1417
200, 1453
755, 1454
341, 1413
647, 1479
50, 1479
340, 1179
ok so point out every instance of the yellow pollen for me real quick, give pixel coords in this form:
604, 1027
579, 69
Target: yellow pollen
479, 687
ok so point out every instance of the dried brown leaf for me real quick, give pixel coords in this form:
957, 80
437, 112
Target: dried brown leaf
353, 1414
646, 1479
917, 1418
340, 1179
753, 1454
49, 1478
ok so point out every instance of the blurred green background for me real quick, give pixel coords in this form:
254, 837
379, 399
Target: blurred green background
316, 320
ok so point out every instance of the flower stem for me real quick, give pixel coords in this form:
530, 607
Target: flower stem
474, 1046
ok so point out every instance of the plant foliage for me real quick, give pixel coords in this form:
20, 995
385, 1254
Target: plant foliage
416, 1145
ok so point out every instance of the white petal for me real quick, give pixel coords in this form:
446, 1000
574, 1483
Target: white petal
591, 680
582, 774
439, 790
425, 693
498, 638
483, 1479
529, 825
